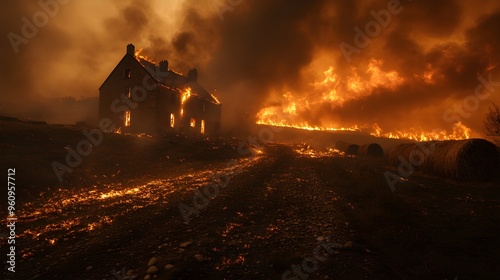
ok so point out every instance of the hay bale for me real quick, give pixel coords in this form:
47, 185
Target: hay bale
371, 150
350, 149
464, 160
403, 150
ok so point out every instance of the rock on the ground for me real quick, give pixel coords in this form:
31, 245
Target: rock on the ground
152, 270
152, 261
185, 244
348, 244
199, 257
169, 266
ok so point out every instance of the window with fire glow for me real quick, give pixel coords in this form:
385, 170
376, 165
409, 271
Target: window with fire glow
127, 119
202, 127
192, 122
172, 120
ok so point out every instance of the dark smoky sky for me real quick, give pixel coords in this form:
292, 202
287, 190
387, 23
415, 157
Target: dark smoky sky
252, 51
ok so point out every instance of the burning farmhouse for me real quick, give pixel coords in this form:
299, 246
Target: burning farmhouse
142, 96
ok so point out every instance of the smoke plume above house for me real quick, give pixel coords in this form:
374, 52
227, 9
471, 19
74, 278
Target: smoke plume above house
301, 63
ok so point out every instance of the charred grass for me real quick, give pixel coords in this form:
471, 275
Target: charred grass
32, 147
428, 228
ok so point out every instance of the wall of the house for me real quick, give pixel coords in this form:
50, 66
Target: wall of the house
167, 104
213, 119
114, 101
199, 110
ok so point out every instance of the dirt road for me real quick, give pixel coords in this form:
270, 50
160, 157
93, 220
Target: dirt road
274, 217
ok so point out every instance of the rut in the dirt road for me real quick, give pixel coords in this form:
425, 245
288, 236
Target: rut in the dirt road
266, 222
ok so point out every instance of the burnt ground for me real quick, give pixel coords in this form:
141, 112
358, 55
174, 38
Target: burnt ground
328, 217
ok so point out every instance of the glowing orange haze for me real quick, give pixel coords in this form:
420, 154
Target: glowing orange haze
332, 91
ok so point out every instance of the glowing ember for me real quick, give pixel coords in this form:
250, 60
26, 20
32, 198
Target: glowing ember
27, 254
229, 228
227, 262
330, 152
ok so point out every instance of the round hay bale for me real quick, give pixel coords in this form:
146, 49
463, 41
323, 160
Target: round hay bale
413, 153
371, 150
464, 160
350, 149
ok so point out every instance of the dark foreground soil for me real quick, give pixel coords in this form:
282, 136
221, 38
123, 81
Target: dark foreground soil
275, 214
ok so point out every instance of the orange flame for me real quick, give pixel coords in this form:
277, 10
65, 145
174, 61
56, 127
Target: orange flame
138, 54
186, 94
293, 110
459, 132
215, 98
331, 92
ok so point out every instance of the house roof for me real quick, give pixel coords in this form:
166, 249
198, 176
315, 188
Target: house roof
175, 81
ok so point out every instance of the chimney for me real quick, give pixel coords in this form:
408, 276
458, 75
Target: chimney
131, 49
164, 65
193, 75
